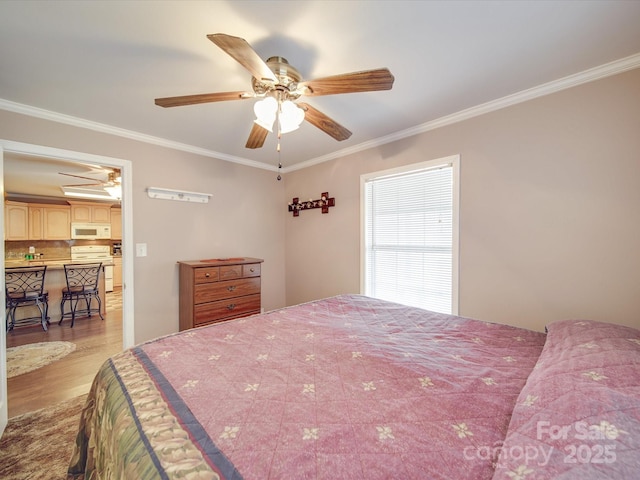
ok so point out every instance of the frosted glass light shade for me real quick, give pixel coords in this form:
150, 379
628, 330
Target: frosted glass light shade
265, 111
291, 116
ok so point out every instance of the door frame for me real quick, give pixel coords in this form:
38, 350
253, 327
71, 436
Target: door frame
125, 166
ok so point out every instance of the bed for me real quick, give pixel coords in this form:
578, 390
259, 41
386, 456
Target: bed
351, 387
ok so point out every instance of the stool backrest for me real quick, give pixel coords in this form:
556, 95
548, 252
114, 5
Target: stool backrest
84, 275
19, 280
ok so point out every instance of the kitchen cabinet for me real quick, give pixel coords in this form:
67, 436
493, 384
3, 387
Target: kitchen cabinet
36, 222
82, 212
116, 223
56, 222
216, 290
117, 271
16, 221
49, 222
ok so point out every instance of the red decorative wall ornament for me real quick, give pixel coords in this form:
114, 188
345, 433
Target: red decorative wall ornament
324, 202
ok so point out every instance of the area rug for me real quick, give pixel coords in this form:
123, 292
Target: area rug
32, 356
38, 445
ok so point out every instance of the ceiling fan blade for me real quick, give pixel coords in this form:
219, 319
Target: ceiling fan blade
201, 98
85, 185
257, 136
324, 123
97, 182
367, 81
244, 54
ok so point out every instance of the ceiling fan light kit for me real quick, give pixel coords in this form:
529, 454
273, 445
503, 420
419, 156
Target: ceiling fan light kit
290, 116
265, 111
287, 113
280, 84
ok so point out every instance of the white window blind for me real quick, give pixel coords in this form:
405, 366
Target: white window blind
409, 238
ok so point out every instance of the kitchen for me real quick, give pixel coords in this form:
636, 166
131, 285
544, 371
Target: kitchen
44, 225
36, 178
53, 234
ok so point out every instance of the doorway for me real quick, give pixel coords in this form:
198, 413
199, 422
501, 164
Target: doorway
125, 167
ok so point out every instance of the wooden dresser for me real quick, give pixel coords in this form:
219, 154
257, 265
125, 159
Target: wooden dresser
216, 290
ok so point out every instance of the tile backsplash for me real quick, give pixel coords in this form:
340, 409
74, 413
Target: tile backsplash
50, 249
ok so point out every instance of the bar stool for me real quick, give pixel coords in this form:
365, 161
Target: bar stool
24, 287
82, 285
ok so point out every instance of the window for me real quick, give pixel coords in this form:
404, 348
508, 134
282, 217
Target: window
410, 235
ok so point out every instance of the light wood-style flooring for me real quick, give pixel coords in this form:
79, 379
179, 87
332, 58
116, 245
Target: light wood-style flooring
95, 340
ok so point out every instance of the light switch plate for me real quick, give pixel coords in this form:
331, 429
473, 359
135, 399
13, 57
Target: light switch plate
141, 249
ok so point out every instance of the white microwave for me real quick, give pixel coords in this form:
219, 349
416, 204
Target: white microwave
90, 231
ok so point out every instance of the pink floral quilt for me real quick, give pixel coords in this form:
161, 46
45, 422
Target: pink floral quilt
347, 387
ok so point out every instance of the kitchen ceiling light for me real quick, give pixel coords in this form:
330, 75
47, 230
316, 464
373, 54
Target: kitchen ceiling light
86, 193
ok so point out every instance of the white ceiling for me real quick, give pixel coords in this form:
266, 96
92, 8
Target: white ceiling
102, 63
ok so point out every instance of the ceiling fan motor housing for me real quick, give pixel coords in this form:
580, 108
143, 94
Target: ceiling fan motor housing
288, 78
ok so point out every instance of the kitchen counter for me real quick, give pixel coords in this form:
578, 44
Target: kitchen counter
54, 282
56, 264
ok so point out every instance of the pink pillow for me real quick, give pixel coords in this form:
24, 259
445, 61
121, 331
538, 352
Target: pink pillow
578, 415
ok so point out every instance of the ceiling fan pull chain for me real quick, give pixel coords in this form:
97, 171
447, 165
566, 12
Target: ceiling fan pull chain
279, 177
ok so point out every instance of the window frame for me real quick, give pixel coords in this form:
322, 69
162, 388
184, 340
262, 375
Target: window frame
454, 162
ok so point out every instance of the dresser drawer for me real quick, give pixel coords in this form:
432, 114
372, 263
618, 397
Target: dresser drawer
209, 292
251, 270
206, 274
223, 310
228, 272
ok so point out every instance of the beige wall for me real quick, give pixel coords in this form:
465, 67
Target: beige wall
550, 209
549, 227
245, 216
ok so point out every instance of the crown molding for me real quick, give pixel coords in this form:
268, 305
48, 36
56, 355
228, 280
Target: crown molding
613, 68
596, 73
121, 132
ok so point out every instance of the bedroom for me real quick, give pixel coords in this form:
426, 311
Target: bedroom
548, 226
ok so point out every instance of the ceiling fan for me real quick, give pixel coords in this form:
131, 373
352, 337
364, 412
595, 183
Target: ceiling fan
279, 84
112, 185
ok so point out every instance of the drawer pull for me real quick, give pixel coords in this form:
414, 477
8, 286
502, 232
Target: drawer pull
231, 288
252, 270
207, 275
231, 306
